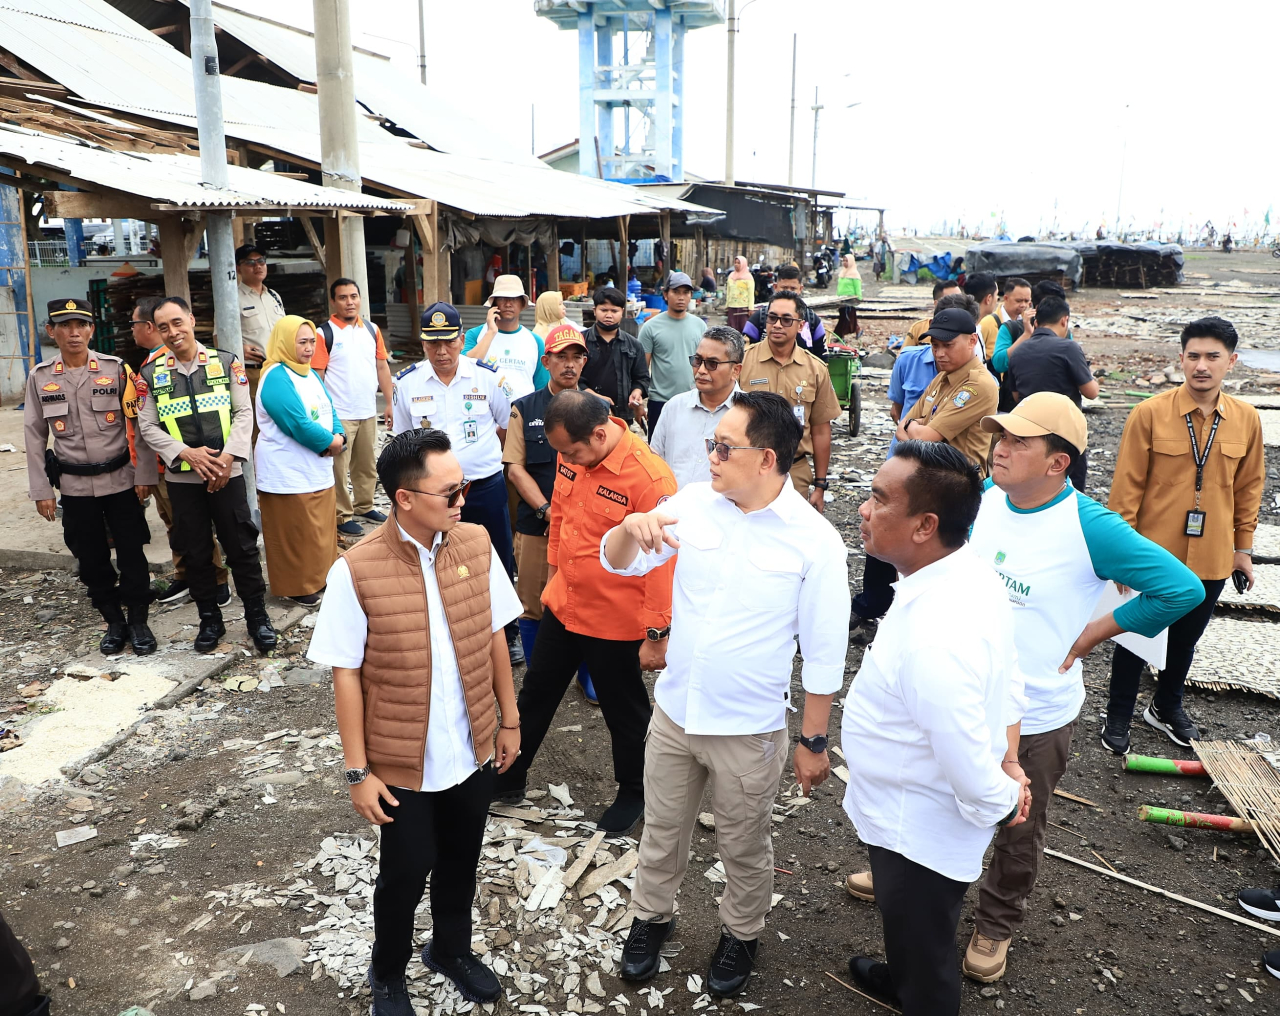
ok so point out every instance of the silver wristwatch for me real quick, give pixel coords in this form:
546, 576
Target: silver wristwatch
355, 776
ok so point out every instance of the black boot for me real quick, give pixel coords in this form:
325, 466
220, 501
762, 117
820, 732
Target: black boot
144, 643
117, 634
211, 628
260, 630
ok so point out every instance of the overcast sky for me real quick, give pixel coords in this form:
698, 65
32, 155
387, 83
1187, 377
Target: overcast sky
967, 114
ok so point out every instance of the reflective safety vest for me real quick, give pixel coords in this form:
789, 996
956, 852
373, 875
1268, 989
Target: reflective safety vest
196, 408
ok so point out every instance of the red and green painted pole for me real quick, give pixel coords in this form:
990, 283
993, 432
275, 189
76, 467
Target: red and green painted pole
1165, 766
1197, 820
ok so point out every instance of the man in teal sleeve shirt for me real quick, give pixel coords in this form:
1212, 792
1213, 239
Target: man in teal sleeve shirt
1056, 550
504, 345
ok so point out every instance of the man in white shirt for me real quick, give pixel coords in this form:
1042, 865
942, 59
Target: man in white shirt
352, 362
925, 725
460, 396
756, 567
506, 346
415, 705
693, 416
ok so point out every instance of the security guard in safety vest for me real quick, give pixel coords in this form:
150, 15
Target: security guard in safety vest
194, 411
78, 397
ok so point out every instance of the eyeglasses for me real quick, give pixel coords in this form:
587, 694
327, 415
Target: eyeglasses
786, 320
452, 496
254, 262
699, 361
134, 324
722, 450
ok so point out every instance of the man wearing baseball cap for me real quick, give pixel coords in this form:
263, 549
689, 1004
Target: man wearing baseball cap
1056, 549
462, 397
669, 339
506, 346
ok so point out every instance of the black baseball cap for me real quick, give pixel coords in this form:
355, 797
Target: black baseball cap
950, 323
244, 250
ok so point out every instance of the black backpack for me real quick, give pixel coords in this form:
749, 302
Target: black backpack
326, 330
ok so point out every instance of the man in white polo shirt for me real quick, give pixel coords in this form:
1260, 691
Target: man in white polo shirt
757, 567
692, 416
352, 362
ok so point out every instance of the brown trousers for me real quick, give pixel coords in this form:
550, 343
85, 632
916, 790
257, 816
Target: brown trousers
1015, 859
166, 516
357, 458
746, 769
802, 476
531, 573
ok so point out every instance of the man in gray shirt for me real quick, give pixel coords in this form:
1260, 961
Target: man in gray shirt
692, 416
669, 339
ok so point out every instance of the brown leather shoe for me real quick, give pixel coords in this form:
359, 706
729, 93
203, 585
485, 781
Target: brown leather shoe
860, 887
986, 959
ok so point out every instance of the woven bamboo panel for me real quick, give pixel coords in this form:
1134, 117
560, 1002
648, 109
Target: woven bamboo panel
1239, 655
1266, 541
1265, 594
1249, 783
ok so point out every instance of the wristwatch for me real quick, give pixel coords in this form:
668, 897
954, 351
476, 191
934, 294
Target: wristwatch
821, 483
657, 634
816, 744
355, 776
543, 512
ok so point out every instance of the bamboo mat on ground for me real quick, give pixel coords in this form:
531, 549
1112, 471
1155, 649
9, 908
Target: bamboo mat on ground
1265, 594
1249, 783
1237, 654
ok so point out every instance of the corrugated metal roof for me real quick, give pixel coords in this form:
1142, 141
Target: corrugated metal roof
175, 179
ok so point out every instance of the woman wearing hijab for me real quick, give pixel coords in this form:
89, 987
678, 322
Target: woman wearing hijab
740, 291
299, 433
548, 313
850, 281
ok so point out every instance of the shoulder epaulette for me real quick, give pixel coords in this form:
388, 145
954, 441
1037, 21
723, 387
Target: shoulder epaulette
491, 367
407, 371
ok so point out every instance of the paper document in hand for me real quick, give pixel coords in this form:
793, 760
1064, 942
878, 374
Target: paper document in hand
1153, 650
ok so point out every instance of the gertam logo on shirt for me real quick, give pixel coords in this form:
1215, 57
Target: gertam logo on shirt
613, 495
566, 472
999, 557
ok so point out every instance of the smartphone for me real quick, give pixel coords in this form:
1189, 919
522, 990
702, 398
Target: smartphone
1241, 581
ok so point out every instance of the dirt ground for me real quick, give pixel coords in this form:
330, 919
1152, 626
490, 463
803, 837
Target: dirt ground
116, 921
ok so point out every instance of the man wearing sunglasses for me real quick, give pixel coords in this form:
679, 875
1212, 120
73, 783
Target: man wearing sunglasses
756, 568
260, 309
781, 366
412, 625
691, 417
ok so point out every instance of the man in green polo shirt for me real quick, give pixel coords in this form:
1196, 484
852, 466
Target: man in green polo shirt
669, 339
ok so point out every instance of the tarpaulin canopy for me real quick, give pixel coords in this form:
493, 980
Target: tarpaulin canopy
1130, 265
1005, 259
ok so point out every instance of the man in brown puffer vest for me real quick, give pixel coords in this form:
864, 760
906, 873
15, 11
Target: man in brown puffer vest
413, 625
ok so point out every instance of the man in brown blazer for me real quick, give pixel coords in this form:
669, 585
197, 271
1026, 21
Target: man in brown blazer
413, 625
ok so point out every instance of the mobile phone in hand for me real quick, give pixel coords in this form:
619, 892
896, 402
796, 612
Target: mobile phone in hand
1241, 581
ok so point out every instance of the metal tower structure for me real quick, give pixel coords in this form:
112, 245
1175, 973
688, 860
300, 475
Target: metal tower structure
631, 81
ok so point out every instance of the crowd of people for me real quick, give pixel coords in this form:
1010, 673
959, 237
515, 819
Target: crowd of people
596, 504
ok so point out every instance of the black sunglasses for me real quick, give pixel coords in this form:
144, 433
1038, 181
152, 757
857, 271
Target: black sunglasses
700, 361
722, 450
452, 496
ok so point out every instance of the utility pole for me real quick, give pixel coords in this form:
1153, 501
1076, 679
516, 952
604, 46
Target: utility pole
813, 182
728, 100
791, 145
213, 173
339, 150
422, 42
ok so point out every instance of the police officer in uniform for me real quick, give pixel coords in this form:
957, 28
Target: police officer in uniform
78, 396
260, 308
195, 413
463, 397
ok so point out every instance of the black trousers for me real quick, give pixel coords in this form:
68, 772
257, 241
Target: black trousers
196, 513
437, 833
655, 411
876, 596
486, 505
624, 701
85, 521
1080, 473
19, 989
920, 910
1184, 633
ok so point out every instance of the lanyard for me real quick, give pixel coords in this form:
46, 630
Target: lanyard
1201, 458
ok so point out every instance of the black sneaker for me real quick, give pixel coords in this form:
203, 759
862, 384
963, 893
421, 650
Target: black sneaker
373, 515
1271, 960
644, 942
515, 650
473, 979
224, 594
173, 592
508, 794
1115, 737
872, 976
624, 814
389, 999
1264, 903
351, 528
862, 630
731, 965
1175, 724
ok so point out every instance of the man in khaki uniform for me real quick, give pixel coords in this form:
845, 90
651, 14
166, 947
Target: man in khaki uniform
780, 366
952, 407
260, 309
78, 396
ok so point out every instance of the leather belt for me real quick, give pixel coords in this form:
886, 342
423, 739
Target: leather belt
94, 468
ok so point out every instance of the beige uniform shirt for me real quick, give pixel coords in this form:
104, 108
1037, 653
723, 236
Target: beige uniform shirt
259, 313
82, 407
152, 436
803, 380
954, 405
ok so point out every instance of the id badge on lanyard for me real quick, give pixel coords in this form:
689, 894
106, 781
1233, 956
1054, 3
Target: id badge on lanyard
1195, 517
470, 431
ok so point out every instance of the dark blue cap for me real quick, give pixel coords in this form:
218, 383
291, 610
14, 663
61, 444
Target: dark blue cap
440, 321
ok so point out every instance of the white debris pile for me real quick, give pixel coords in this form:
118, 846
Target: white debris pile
300, 751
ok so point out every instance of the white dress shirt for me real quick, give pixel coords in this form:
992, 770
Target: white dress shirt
470, 409
924, 728
745, 585
339, 638
680, 440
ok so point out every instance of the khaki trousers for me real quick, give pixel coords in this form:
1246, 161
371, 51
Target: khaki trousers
357, 460
746, 769
165, 508
531, 573
802, 476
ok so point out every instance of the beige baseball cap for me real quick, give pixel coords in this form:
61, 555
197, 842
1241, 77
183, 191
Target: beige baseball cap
1040, 414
